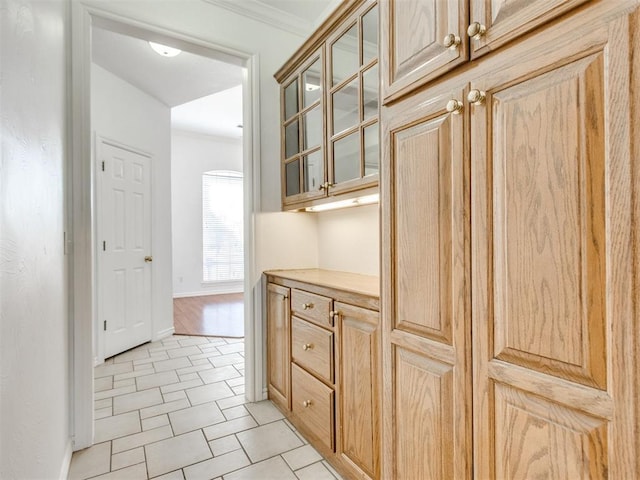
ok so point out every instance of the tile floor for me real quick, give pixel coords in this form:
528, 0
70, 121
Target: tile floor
175, 410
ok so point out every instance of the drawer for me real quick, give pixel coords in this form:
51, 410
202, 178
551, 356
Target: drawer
312, 307
312, 348
313, 405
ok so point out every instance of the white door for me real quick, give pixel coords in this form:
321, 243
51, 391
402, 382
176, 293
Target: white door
124, 246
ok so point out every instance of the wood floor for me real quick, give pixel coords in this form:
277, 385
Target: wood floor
209, 315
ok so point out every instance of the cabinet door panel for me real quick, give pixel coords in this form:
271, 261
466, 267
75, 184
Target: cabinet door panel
426, 325
505, 20
550, 233
412, 51
359, 374
423, 228
423, 413
278, 344
552, 441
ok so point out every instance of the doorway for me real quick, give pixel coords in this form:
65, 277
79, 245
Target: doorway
82, 175
207, 210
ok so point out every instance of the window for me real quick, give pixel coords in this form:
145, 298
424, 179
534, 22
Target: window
222, 232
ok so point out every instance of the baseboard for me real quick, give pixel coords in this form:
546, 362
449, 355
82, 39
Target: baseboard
167, 332
66, 460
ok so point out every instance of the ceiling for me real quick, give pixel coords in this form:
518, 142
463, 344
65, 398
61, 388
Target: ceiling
174, 80
205, 89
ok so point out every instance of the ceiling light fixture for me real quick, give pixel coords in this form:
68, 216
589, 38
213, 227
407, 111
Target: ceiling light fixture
164, 50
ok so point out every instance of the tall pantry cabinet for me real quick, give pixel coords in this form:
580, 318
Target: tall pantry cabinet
510, 239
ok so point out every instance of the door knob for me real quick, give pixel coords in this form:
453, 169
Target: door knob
148, 259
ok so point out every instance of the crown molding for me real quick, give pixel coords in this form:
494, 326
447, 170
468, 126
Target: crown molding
261, 12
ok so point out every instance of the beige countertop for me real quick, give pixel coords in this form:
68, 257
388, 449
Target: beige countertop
351, 282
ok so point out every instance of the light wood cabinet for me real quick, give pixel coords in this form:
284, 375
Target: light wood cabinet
359, 432
422, 40
412, 50
552, 230
330, 109
335, 366
508, 342
278, 334
427, 348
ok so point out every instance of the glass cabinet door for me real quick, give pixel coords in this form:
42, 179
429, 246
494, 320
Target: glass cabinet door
303, 133
354, 155
330, 112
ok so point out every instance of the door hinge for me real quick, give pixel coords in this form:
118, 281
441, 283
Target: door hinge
104, 326
104, 246
103, 165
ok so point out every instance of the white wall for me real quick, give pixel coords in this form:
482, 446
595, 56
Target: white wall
349, 240
279, 246
127, 115
34, 331
191, 156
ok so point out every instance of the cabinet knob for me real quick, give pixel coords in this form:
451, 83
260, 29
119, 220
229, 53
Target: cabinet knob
451, 41
148, 259
476, 30
454, 106
333, 313
307, 346
306, 403
325, 186
477, 97
307, 306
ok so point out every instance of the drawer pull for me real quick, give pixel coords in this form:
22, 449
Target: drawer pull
307, 403
307, 306
307, 346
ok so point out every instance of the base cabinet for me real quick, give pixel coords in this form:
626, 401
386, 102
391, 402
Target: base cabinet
359, 431
278, 318
333, 348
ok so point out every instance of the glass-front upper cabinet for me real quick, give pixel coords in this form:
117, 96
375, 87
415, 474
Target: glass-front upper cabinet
303, 172
353, 137
329, 92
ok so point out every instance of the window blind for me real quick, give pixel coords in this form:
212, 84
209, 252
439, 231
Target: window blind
222, 227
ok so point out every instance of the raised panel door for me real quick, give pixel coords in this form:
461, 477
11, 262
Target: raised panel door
413, 49
359, 434
551, 230
426, 326
505, 20
278, 354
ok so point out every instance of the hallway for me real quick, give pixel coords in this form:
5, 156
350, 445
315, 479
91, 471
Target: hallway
175, 409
